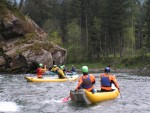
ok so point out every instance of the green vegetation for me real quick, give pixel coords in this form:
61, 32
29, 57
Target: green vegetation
129, 63
94, 30
55, 37
19, 51
99, 32
1, 51
48, 46
30, 36
38, 46
20, 41
90, 65
23, 40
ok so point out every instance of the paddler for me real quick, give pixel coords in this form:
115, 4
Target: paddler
40, 71
106, 80
59, 71
86, 81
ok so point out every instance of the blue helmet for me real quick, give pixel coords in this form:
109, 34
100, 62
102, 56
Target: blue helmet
107, 69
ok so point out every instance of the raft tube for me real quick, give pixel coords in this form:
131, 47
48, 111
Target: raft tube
51, 79
84, 96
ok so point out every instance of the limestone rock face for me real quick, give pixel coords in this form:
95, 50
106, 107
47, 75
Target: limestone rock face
23, 45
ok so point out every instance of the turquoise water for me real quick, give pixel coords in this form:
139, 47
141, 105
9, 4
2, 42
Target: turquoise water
19, 96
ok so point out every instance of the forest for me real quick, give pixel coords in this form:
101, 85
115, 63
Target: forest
93, 30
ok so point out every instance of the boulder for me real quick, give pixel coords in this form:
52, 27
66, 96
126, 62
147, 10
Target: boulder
24, 45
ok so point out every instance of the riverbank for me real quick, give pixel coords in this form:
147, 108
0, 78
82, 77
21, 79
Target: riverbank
124, 70
138, 65
139, 71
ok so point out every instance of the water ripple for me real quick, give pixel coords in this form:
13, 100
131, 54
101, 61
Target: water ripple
26, 97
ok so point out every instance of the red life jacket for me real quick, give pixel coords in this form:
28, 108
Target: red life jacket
39, 71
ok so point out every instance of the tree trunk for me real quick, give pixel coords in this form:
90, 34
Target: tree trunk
21, 5
87, 35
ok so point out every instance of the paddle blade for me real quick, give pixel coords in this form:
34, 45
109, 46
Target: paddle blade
65, 99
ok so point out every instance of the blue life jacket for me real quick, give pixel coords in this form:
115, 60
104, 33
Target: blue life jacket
105, 82
86, 83
73, 69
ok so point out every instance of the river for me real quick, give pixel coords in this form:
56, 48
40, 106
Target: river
19, 96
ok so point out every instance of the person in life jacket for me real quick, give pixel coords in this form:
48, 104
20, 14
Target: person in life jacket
73, 68
40, 71
54, 69
86, 81
63, 68
107, 80
59, 71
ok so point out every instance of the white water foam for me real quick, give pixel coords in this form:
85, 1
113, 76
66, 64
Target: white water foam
55, 101
8, 107
52, 101
1, 76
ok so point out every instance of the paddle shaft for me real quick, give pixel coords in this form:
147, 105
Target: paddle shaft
66, 99
120, 94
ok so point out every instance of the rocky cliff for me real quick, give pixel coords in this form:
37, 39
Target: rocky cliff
23, 44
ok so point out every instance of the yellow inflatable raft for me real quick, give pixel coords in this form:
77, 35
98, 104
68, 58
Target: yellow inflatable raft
87, 97
51, 79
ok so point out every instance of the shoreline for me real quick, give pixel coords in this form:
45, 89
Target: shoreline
122, 70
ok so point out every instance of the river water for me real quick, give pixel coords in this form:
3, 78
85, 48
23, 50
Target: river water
19, 96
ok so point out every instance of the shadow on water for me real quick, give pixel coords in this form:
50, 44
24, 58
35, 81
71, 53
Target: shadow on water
82, 105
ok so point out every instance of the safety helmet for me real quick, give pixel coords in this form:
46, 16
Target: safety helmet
41, 65
85, 69
61, 67
107, 69
55, 65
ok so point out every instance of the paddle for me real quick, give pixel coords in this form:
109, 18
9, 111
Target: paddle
65, 99
120, 94
67, 78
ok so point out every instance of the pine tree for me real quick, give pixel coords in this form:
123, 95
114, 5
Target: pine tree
147, 23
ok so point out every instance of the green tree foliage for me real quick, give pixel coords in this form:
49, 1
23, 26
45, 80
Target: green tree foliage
7, 4
116, 19
95, 41
73, 43
139, 24
97, 29
38, 10
55, 37
53, 23
147, 18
